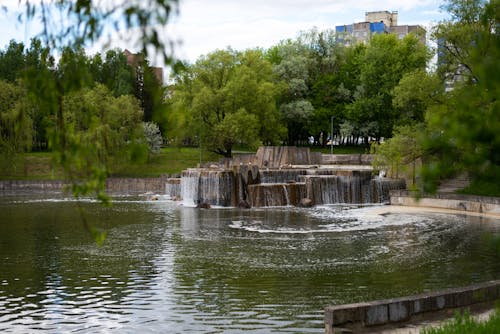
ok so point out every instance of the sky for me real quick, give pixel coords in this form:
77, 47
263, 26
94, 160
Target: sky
202, 26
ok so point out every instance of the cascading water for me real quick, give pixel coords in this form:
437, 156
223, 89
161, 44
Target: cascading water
276, 194
356, 189
215, 187
281, 177
222, 188
381, 188
190, 183
173, 188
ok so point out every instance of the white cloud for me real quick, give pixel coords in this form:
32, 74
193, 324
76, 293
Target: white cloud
203, 26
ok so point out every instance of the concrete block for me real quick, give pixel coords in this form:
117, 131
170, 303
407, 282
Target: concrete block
376, 314
478, 295
425, 304
440, 302
463, 298
399, 311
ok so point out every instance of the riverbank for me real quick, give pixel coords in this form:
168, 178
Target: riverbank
113, 185
170, 160
406, 314
448, 201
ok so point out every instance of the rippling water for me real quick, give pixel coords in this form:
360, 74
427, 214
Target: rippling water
171, 269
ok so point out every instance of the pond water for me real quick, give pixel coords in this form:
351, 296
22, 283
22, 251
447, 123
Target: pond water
165, 268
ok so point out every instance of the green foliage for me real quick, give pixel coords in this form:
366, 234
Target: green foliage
12, 61
15, 122
400, 155
465, 323
293, 72
383, 64
415, 92
114, 72
83, 123
463, 130
152, 135
227, 98
94, 125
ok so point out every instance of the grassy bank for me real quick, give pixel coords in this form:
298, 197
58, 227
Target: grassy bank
467, 324
342, 149
171, 160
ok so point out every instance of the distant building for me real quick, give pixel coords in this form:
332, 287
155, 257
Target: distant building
134, 59
381, 22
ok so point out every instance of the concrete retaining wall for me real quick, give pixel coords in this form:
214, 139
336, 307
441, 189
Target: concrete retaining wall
113, 185
468, 203
365, 317
346, 159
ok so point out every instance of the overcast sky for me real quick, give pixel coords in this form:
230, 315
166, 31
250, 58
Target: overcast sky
203, 26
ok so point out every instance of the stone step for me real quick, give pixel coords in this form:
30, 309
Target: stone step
454, 184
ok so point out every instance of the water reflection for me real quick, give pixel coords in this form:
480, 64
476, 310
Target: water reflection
165, 267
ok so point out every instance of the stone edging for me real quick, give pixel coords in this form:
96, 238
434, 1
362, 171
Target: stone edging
467, 203
366, 317
114, 185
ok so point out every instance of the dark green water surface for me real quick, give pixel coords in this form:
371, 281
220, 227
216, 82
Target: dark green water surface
165, 268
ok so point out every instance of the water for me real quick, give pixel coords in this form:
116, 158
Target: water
168, 268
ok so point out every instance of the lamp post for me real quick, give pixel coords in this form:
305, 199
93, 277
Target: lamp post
331, 135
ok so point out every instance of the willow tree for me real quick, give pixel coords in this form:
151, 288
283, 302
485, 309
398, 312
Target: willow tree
72, 25
228, 98
75, 25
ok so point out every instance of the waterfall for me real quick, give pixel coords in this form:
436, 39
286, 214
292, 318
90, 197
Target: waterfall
356, 189
173, 188
190, 183
215, 187
276, 194
381, 188
280, 187
281, 175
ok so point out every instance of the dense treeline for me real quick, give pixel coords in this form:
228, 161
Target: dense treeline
25, 72
458, 132
445, 120
283, 95
292, 91
90, 111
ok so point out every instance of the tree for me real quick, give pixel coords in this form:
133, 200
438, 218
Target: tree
334, 85
293, 73
463, 131
400, 155
15, 123
97, 126
114, 72
228, 98
414, 94
152, 135
12, 61
383, 64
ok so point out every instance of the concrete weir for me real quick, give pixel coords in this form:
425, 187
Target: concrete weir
283, 176
373, 316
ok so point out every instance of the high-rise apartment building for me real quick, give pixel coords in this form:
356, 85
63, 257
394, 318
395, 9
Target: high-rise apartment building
381, 22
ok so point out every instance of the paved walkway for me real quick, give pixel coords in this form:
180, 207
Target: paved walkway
418, 327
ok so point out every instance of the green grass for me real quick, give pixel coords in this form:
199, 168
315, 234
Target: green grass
342, 149
29, 166
171, 160
466, 324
